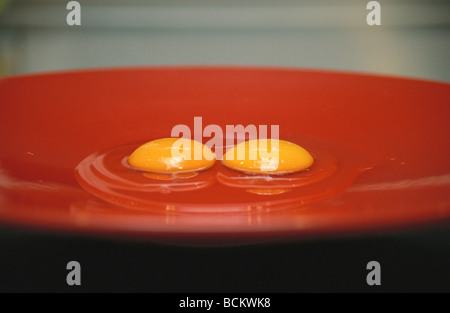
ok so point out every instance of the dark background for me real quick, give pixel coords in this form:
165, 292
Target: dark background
411, 261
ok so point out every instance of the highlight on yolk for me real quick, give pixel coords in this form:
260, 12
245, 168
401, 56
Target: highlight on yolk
268, 156
172, 156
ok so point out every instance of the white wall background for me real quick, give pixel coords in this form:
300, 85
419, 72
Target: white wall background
412, 41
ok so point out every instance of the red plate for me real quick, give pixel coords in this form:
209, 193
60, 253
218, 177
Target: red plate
382, 147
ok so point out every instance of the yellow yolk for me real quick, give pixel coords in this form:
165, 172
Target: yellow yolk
267, 156
172, 155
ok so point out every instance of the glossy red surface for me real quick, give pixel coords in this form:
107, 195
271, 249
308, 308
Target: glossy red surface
389, 139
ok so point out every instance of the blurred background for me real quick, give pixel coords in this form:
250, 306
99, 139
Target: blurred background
327, 34
413, 41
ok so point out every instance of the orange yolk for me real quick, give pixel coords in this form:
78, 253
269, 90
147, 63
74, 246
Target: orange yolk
171, 156
268, 156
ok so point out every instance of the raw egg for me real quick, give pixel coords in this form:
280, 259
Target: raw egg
268, 156
172, 156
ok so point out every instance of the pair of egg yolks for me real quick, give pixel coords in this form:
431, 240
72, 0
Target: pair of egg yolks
181, 156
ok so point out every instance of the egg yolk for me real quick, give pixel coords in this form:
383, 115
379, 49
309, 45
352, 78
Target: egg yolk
172, 155
268, 156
